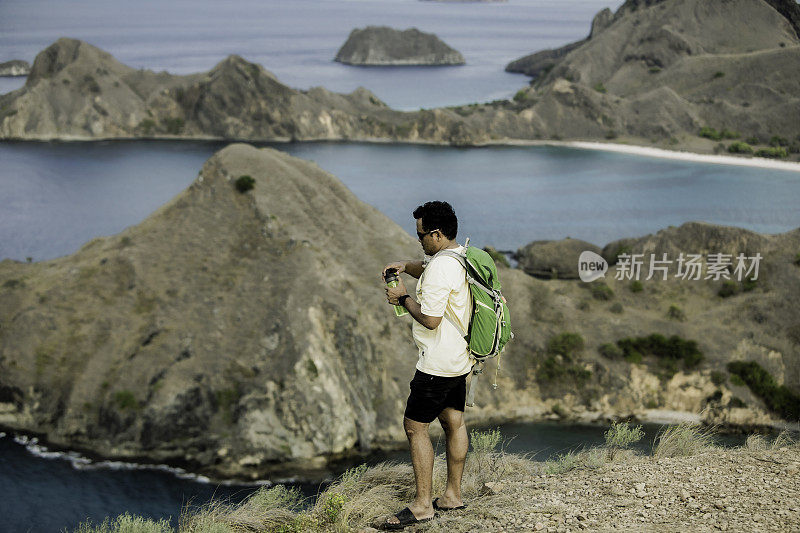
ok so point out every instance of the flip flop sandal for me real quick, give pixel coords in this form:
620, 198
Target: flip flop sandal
405, 518
444, 509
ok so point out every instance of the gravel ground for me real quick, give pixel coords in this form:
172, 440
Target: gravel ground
718, 490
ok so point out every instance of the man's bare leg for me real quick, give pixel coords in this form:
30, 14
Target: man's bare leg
457, 443
422, 461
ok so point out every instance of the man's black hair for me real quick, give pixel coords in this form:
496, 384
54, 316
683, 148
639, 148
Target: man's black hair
438, 215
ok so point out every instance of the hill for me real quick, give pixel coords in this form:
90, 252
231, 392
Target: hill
384, 46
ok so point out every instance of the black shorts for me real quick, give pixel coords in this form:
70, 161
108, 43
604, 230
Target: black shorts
430, 395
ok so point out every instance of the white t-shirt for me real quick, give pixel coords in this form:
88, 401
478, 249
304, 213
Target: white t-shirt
442, 291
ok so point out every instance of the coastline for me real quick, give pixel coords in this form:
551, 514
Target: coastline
694, 157
628, 149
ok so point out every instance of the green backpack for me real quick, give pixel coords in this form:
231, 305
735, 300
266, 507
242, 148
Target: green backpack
490, 324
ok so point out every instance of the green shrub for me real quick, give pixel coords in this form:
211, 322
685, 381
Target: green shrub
552, 371
775, 153
146, 126
710, 133
125, 400
600, 88
601, 291
776, 141
654, 70
719, 74
620, 436
736, 380
669, 350
484, 442
174, 125
748, 284
245, 183
736, 402
565, 344
622, 249
718, 378
797, 259
126, 523
521, 96
676, 313
610, 350
740, 148
636, 286
728, 289
91, 84
752, 140
778, 398
616, 308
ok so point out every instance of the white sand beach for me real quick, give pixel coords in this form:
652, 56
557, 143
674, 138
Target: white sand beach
683, 156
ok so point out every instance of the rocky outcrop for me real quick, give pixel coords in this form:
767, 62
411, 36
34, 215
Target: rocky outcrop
535, 64
76, 91
15, 67
553, 259
384, 46
662, 70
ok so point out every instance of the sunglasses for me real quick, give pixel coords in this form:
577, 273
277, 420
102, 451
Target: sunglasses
422, 235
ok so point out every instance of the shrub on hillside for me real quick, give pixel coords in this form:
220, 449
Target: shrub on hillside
601, 291
740, 148
778, 398
668, 350
245, 183
775, 153
620, 436
565, 344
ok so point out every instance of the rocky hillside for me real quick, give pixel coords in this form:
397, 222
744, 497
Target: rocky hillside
679, 74
664, 69
244, 334
384, 46
230, 330
77, 91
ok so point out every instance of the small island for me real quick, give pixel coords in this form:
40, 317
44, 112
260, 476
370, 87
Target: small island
15, 67
384, 46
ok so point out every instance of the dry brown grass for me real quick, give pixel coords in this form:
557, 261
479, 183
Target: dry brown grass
683, 440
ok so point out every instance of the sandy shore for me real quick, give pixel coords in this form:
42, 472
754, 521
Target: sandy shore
646, 151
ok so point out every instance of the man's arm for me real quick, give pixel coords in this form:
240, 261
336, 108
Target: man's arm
415, 310
413, 307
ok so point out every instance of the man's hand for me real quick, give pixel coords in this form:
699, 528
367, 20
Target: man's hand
393, 293
399, 266
412, 268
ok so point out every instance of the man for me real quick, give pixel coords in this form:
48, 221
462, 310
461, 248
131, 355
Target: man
438, 390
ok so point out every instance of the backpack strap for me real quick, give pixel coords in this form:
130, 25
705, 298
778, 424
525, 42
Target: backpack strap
470, 279
477, 370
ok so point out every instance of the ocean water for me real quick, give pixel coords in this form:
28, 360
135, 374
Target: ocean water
54, 197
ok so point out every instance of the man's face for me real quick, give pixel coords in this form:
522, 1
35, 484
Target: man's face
427, 240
